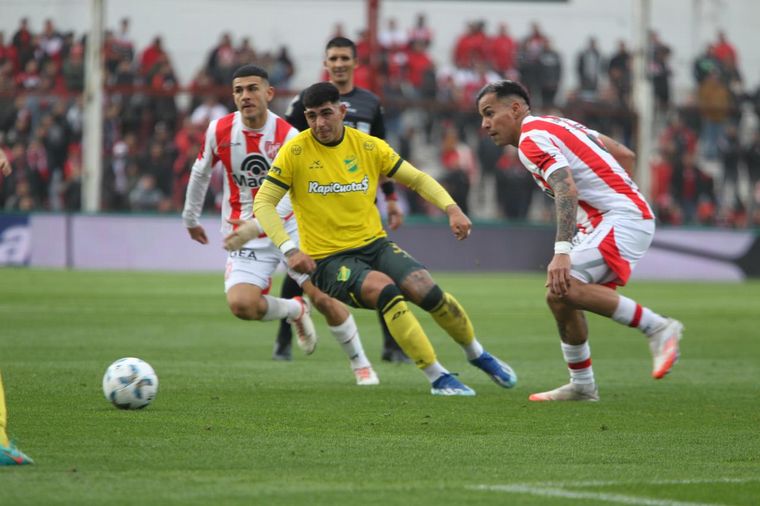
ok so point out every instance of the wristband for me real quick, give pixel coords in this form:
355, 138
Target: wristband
287, 247
562, 247
389, 190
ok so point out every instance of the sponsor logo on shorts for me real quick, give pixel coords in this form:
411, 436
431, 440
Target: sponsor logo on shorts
343, 274
244, 253
325, 189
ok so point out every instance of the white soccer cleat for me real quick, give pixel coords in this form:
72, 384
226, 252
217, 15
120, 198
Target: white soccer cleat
569, 392
366, 376
307, 334
664, 346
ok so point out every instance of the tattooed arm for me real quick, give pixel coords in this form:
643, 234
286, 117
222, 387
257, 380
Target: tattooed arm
566, 205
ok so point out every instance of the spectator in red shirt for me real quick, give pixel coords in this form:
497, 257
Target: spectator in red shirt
151, 55
417, 62
362, 47
503, 50
724, 51
677, 138
8, 53
471, 46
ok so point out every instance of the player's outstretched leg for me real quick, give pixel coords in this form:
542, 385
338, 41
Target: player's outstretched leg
663, 343
499, 372
451, 316
571, 324
569, 392
9, 454
346, 333
283, 342
248, 303
407, 331
392, 352
304, 326
663, 333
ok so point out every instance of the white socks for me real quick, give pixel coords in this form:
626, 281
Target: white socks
578, 358
347, 335
278, 308
473, 350
434, 371
628, 312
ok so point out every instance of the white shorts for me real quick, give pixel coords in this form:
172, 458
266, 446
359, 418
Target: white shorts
256, 265
609, 253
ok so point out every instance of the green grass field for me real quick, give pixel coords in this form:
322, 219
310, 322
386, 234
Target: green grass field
231, 426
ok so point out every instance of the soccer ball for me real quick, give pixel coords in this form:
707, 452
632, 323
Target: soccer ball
130, 383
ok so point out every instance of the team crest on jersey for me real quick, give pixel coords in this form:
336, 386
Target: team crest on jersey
271, 149
351, 164
369, 146
296, 149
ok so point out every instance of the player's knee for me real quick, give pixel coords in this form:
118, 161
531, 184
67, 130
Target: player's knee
388, 295
556, 301
418, 285
432, 299
245, 309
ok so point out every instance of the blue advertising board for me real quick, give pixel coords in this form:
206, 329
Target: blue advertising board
15, 240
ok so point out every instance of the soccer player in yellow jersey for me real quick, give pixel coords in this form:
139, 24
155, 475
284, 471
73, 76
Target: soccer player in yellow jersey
332, 171
9, 454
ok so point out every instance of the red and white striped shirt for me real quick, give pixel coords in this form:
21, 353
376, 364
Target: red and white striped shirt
548, 143
246, 156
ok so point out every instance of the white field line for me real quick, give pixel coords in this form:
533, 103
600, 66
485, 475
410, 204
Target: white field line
611, 483
594, 496
561, 490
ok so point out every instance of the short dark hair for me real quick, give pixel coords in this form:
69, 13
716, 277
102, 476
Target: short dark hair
320, 93
502, 89
341, 42
250, 70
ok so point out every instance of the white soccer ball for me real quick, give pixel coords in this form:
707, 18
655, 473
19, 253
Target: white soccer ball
130, 383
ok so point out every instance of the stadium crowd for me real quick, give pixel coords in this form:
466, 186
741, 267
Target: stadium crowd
706, 171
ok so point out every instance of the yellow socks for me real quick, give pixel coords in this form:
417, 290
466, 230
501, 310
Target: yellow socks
451, 317
3, 416
406, 330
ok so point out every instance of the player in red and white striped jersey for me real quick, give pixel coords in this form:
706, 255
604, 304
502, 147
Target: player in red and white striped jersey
245, 143
604, 227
